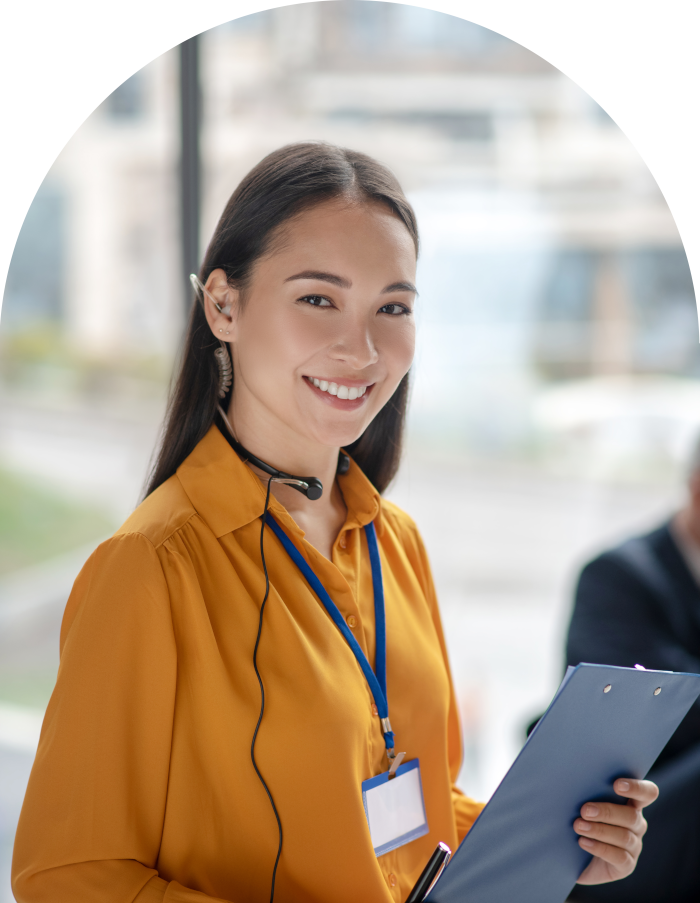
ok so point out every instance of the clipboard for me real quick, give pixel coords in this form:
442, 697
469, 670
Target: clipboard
604, 723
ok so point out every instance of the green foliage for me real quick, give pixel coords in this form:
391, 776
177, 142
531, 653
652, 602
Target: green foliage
36, 523
32, 688
41, 359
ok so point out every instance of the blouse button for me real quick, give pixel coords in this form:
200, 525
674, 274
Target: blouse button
343, 542
352, 621
375, 710
392, 880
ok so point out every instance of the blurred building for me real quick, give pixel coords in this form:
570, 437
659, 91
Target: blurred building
494, 144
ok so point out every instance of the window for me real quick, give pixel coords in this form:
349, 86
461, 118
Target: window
128, 101
34, 290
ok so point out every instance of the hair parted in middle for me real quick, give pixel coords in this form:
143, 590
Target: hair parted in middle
284, 184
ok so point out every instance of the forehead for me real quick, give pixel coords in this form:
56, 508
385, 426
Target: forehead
355, 234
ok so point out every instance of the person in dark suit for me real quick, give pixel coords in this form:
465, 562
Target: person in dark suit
639, 603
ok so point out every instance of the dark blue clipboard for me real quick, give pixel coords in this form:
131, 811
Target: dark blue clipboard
522, 847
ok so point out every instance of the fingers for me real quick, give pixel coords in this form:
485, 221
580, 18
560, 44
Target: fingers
620, 860
613, 832
639, 793
617, 847
614, 814
624, 840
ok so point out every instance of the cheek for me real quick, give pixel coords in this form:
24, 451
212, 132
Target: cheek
273, 344
399, 348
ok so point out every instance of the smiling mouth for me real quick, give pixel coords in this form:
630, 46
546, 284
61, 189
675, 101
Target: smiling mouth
345, 393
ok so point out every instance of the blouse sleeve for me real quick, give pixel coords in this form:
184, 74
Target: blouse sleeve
92, 818
466, 810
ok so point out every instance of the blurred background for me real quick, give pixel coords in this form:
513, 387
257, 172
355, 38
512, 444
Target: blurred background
556, 390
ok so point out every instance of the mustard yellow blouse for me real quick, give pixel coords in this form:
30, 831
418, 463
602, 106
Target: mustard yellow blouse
143, 788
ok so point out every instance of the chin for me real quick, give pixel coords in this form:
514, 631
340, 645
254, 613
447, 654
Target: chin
339, 437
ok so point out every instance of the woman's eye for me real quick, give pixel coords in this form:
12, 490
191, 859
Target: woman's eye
316, 300
395, 310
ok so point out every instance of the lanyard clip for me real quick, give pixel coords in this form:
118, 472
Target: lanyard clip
388, 738
395, 760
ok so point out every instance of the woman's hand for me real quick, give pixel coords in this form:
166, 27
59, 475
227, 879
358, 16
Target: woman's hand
613, 833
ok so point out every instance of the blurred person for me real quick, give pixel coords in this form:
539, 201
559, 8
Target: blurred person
639, 603
212, 725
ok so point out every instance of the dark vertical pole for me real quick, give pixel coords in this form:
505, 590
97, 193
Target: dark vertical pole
190, 165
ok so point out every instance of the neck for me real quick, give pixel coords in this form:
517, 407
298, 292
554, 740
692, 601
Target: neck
283, 457
320, 519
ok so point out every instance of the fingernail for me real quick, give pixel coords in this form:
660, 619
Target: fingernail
591, 811
582, 825
586, 842
623, 785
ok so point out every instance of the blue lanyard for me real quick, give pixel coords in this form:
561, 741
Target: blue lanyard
377, 682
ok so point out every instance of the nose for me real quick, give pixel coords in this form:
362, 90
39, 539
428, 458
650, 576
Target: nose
355, 345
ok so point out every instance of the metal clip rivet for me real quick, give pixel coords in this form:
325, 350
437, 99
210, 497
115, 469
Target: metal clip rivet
607, 689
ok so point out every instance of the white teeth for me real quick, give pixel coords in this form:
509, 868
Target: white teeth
344, 392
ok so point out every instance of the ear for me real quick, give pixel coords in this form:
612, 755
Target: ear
221, 305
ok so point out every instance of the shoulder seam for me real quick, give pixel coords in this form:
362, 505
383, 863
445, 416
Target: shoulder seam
165, 538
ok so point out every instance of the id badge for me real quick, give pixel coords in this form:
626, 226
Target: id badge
394, 808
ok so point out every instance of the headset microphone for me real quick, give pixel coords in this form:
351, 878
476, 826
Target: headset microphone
311, 487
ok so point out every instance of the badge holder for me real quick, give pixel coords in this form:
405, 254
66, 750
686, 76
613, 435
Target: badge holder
394, 806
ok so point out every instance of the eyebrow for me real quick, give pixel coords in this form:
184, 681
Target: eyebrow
341, 282
400, 287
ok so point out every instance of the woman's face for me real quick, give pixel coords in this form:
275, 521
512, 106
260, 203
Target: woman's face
327, 330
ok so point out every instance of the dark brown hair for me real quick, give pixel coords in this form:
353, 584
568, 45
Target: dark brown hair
285, 183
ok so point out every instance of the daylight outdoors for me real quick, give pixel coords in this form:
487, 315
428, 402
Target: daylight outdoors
556, 389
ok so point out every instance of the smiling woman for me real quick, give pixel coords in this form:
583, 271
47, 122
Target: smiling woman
220, 725
297, 194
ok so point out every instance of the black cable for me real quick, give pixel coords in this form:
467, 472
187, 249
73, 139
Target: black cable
262, 688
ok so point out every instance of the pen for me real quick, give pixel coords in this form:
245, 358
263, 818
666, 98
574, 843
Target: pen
430, 873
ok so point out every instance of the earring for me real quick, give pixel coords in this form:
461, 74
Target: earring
223, 362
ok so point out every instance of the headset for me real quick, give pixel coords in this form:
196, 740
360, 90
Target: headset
312, 488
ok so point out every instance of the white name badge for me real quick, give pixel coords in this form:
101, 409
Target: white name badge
394, 808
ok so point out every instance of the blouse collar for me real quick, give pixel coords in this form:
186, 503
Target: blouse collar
228, 495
